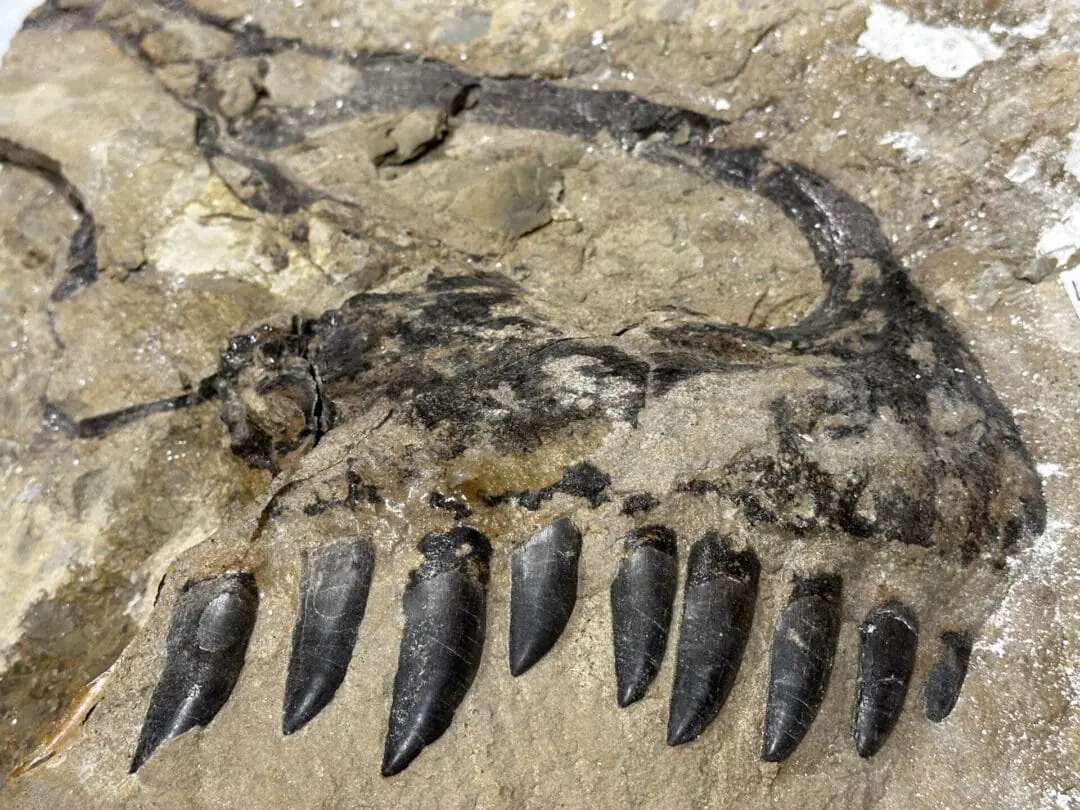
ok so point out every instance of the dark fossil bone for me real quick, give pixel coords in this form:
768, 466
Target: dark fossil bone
947, 676
718, 607
448, 354
642, 595
804, 643
445, 605
543, 590
887, 640
204, 652
334, 583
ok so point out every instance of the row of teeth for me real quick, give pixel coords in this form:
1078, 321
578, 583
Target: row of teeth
445, 618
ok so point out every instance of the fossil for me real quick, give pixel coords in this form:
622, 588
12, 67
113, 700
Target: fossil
428, 427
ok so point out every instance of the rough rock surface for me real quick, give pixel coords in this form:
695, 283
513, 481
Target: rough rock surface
176, 173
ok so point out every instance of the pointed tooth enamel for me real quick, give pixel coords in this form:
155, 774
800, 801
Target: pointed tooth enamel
204, 653
334, 584
445, 619
804, 644
718, 608
947, 677
887, 640
642, 596
543, 590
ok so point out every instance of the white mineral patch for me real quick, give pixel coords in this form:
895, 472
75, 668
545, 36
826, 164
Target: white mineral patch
1046, 562
1032, 29
1025, 167
909, 143
1048, 469
948, 52
12, 14
1072, 159
1062, 239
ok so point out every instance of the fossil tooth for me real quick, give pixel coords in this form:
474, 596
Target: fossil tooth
543, 590
887, 640
204, 652
718, 607
334, 583
642, 595
947, 677
445, 618
804, 643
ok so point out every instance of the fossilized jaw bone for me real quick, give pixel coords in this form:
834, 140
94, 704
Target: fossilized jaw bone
863, 448
823, 463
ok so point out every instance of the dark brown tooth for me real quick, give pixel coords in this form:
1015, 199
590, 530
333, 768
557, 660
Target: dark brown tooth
718, 608
804, 644
204, 653
543, 590
445, 606
947, 677
642, 595
887, 640
334, 583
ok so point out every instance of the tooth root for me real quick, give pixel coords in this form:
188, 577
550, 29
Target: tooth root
947, 677
543, 590
642, 595
204, 652
803, 647
445, 617
334, 584
887, 641
718, 607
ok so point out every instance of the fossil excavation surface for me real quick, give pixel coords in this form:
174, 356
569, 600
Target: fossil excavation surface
446, 436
